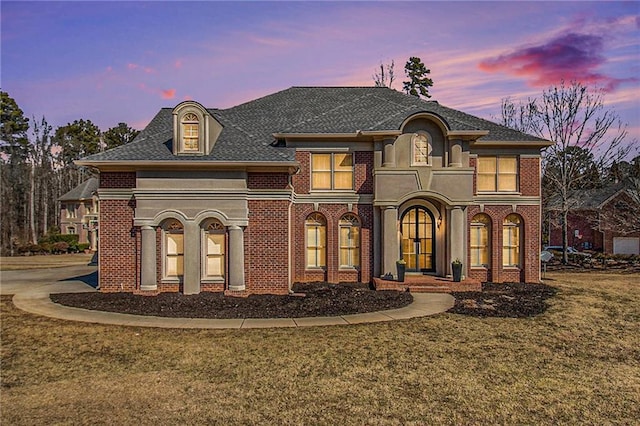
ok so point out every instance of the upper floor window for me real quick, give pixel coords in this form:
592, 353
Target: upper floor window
349, 241
420, 147
497, 174
480, 242
190, 132
332, 171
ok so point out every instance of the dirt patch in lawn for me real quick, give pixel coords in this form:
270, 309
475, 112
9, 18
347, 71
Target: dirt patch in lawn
309, 300
508, 300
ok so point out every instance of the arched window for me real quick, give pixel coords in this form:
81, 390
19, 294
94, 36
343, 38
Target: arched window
511, 240
190, 132
173, 245
214, 249
349, 241
420, 148
480, 242
316, 230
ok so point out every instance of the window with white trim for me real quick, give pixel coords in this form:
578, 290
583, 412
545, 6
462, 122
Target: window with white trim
349, 228
480, 242
497, 174
316, 241
214, 241
511, 240
190, 132
332, 171
173, 241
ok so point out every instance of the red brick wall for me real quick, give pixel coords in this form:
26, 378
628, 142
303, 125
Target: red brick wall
118, 240
266, 247
302, 180
530, 176
268, 181
530, 251
332, 273
118, 180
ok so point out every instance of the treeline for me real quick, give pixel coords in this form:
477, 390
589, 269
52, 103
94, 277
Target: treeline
36, 168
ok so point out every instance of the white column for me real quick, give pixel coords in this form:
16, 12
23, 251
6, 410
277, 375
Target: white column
148, 277
390, 248
236, 258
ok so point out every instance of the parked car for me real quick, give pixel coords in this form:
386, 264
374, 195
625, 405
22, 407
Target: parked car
570, 250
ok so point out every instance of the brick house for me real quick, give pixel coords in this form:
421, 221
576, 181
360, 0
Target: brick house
79, 213
603, 219
316, 184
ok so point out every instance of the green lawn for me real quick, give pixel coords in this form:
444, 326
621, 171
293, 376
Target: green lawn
579, 363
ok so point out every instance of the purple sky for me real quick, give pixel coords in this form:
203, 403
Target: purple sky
116, 62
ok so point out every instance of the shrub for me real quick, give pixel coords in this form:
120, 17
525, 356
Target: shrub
60, 247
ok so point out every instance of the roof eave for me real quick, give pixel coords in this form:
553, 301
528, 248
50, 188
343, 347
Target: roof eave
502, 143
350, 135
290, 167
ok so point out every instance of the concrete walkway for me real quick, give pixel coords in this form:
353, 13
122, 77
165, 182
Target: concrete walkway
31, 290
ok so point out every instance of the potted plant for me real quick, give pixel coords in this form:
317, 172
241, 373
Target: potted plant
401, 265
456, 267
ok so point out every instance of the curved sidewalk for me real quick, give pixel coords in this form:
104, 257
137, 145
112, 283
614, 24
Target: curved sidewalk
34, 298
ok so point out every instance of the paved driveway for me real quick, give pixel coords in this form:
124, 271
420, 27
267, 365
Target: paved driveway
69, 279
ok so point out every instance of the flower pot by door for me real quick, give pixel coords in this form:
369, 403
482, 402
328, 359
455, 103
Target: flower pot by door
401, 269
457, 271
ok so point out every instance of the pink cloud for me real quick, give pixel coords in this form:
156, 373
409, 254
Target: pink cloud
168, 94
178, 63
567, 57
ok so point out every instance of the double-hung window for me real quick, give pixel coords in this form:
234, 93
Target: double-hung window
173, 250
511, 240
332, 171
316, 227
214, 250
349, 241
497, 174
480, 232
190, 132
420, 147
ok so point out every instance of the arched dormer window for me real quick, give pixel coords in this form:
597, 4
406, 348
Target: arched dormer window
190, 132
420, 149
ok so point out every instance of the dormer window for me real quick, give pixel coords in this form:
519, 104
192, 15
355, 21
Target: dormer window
195, 130
190, 133
421, 148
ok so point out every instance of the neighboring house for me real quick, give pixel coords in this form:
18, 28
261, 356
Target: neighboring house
604, 219
79, 213
316, 184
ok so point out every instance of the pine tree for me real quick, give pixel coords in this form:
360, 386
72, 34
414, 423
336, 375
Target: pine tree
418, 84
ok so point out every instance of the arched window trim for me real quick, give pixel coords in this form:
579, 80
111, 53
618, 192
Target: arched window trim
512, 237
172, 250
316, 241
349, 241
214, 251
479, 251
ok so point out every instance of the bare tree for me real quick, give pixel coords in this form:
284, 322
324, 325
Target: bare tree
575, 118
386, 76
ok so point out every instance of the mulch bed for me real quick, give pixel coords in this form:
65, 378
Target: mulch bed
310, 300
508, 300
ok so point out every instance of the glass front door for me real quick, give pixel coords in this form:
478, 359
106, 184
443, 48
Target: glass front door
418, 239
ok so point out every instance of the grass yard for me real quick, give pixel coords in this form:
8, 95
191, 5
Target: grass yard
578, 363
43, 262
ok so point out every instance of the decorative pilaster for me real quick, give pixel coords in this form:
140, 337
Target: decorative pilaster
455, 159
148, 277
457, 236
389, 157
390, 248
236, 258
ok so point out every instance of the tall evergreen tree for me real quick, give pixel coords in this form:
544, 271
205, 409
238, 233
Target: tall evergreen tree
120, 135
419, 83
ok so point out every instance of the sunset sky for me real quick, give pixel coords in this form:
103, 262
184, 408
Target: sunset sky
116, 62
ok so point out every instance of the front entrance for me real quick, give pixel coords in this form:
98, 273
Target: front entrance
418, 242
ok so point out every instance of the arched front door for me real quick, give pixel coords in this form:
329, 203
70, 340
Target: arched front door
418, 242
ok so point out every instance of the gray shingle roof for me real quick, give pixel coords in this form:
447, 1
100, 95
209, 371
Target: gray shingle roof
248, 128
81, 192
